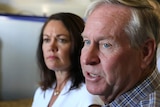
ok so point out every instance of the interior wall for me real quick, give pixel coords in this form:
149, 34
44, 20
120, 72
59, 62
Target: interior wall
46, 7
19, 74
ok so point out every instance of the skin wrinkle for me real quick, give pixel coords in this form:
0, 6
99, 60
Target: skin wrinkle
119, 54
115, 30
117, 18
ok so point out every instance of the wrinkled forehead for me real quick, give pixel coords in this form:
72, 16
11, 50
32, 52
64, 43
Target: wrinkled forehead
114, 16
116, 11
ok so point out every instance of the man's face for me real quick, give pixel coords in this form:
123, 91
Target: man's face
110, 65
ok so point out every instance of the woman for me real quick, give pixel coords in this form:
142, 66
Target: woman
62, 81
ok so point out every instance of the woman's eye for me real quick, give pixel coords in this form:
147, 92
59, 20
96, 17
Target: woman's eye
86, 42
46, 40
62, 40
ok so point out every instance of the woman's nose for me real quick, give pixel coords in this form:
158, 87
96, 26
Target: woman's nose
53, 45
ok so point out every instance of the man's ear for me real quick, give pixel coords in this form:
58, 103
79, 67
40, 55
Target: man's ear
148, 52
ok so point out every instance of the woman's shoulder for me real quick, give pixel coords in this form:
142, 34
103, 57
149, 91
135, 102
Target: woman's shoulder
83, 90
41, 97
39, 91
85, 96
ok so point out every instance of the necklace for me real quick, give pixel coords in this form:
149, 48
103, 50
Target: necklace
56, 93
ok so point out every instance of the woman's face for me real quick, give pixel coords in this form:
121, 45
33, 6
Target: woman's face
56, 46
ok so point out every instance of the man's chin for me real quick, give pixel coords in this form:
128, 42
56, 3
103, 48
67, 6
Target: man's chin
93, 90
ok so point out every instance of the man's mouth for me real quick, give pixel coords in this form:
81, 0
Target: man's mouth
93, 75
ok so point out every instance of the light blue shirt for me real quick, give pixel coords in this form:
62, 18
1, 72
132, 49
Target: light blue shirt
146, 94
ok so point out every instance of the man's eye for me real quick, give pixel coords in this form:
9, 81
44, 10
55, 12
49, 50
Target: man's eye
106, 45
86, 42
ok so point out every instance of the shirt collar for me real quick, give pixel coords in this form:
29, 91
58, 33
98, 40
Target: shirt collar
139, 93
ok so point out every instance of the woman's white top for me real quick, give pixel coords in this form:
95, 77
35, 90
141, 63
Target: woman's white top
74, 98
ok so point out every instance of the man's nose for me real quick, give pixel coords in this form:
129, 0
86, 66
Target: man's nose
91, 56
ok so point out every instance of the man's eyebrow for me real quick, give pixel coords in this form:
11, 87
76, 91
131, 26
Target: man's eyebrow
101, 37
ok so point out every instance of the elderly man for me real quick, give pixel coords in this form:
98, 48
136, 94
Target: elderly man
119, 54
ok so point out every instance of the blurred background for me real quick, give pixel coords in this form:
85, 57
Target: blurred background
20, 25
43, 7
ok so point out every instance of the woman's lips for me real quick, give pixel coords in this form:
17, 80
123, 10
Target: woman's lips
52, 57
